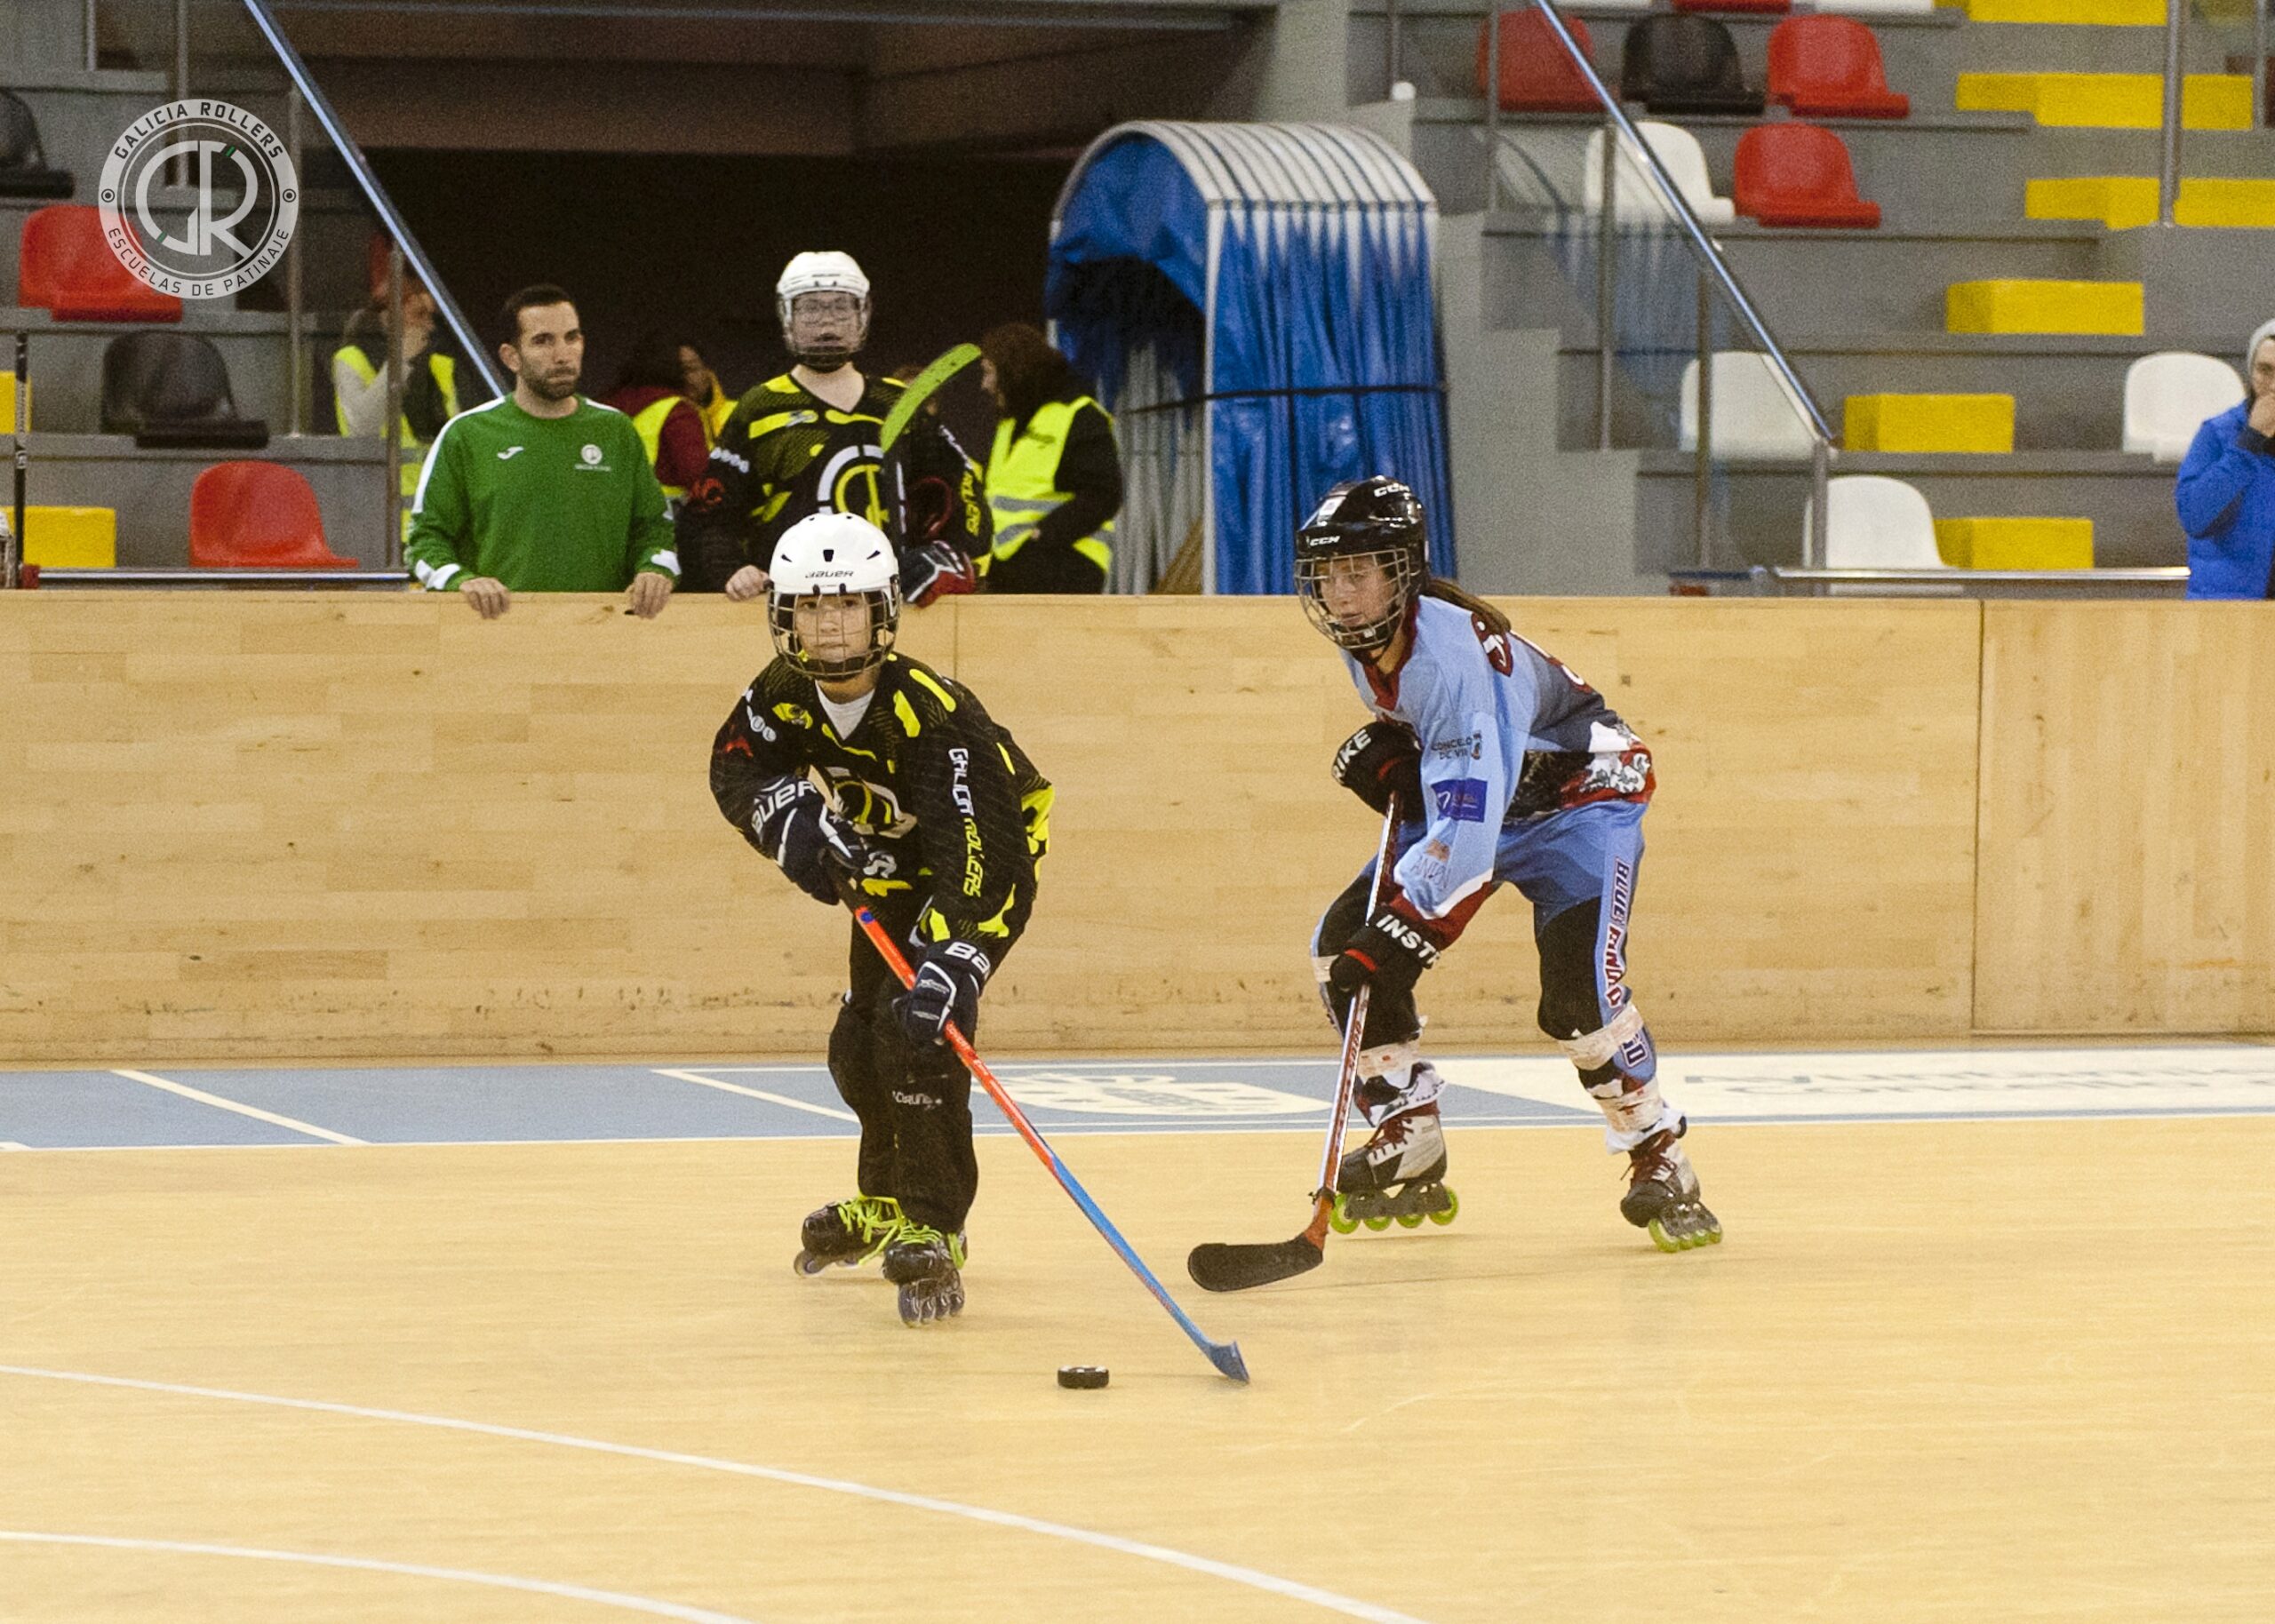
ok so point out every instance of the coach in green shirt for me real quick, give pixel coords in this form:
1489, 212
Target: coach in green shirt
542, 489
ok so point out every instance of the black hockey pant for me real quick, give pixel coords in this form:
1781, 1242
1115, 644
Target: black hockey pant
913, 1100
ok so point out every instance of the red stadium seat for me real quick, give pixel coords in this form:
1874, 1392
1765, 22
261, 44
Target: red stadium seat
1830, 67
257, 515
1536, 75
1795, 174
65, 267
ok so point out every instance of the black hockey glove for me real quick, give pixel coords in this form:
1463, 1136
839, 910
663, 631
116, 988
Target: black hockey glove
936, 571
948, 980
1379, 759
813, 845
1391, 952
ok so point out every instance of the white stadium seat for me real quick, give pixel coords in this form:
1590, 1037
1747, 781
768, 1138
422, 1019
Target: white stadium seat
1635, 198
1754, 418
1878, 523
2169, 395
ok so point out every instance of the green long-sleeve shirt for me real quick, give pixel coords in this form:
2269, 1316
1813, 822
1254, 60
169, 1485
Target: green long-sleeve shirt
541, 504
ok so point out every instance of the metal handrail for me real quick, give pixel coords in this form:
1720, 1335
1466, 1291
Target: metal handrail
265, 18
1702, 245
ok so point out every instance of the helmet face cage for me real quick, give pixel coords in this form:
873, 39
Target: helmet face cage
1400, 561
835, 355
884, 623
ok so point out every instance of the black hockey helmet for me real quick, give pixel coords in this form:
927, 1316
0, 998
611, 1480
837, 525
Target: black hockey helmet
1377, 519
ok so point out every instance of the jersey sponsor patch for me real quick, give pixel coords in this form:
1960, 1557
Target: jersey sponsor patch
1463, 799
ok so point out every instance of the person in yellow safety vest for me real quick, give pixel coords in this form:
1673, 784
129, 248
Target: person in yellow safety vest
701, 384
430, 382
1054, 477
649, 390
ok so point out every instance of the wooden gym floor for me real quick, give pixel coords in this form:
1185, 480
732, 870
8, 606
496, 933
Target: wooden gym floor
1943, 1369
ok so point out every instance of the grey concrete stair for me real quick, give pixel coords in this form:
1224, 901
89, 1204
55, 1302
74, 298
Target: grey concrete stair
2128, 499
1805, 280
2069, 392
150, 489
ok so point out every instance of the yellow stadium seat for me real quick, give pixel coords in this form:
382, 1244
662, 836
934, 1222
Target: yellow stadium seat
2016, 305
2015, 544
2206, 200
1984, 423
8, 403
2100, 13
71, 537
2121, 201
2118, 202
2109, 101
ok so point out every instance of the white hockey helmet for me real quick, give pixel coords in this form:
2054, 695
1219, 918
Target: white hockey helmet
824, 272
830, 555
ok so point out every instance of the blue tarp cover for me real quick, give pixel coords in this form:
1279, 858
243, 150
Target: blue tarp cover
1298, 269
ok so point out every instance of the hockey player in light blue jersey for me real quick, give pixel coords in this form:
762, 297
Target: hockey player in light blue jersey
1508, 771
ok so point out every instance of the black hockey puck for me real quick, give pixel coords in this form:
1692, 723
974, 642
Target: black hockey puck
1082, 1376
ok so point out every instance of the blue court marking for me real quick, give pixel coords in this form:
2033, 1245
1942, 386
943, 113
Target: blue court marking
57, 1111
490, 1104
478, 1105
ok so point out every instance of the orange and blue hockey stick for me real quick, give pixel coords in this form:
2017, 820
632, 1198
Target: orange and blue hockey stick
1224, 1356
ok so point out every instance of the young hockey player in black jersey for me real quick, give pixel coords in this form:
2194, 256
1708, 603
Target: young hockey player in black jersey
844, 759
808, 441
1508, 769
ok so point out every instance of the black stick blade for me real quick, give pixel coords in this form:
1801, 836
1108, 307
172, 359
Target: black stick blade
1216, 1267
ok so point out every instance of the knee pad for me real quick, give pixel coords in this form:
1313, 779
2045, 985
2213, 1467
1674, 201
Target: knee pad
1618, 1040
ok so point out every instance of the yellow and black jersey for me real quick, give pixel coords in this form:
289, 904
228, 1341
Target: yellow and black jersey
926, 776
785, 453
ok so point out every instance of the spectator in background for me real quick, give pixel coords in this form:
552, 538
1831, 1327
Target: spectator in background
701, 384
650, 391
541, 490
2226, 494
810, 441
430, 380
1054, 477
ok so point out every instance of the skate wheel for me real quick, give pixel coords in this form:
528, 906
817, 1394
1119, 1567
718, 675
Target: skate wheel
1378, 1224
1409, 1221
1340, 1220
1445, 1214
807, 1263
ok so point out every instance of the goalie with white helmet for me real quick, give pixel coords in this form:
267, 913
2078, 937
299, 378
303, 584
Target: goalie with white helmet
847, 760
1506, 769
810, 442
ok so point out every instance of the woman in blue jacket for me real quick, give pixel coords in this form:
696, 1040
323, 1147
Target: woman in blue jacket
2226, 494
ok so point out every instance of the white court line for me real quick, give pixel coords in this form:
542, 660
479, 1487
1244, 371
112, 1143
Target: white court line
254, 1112
372, 1564
10, 1144
1254, 1580
756, 1093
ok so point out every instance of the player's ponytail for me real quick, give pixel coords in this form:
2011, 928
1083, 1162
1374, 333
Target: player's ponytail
1490, 620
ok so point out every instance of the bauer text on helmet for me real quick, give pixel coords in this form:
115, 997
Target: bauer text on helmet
823, 301
1360, 560
833, 596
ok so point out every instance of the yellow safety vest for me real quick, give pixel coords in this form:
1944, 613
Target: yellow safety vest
648, 423
716, 411
1023, 481
414, 449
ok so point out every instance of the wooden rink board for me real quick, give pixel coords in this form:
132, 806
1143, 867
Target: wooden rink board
256, 825
1939, 1372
